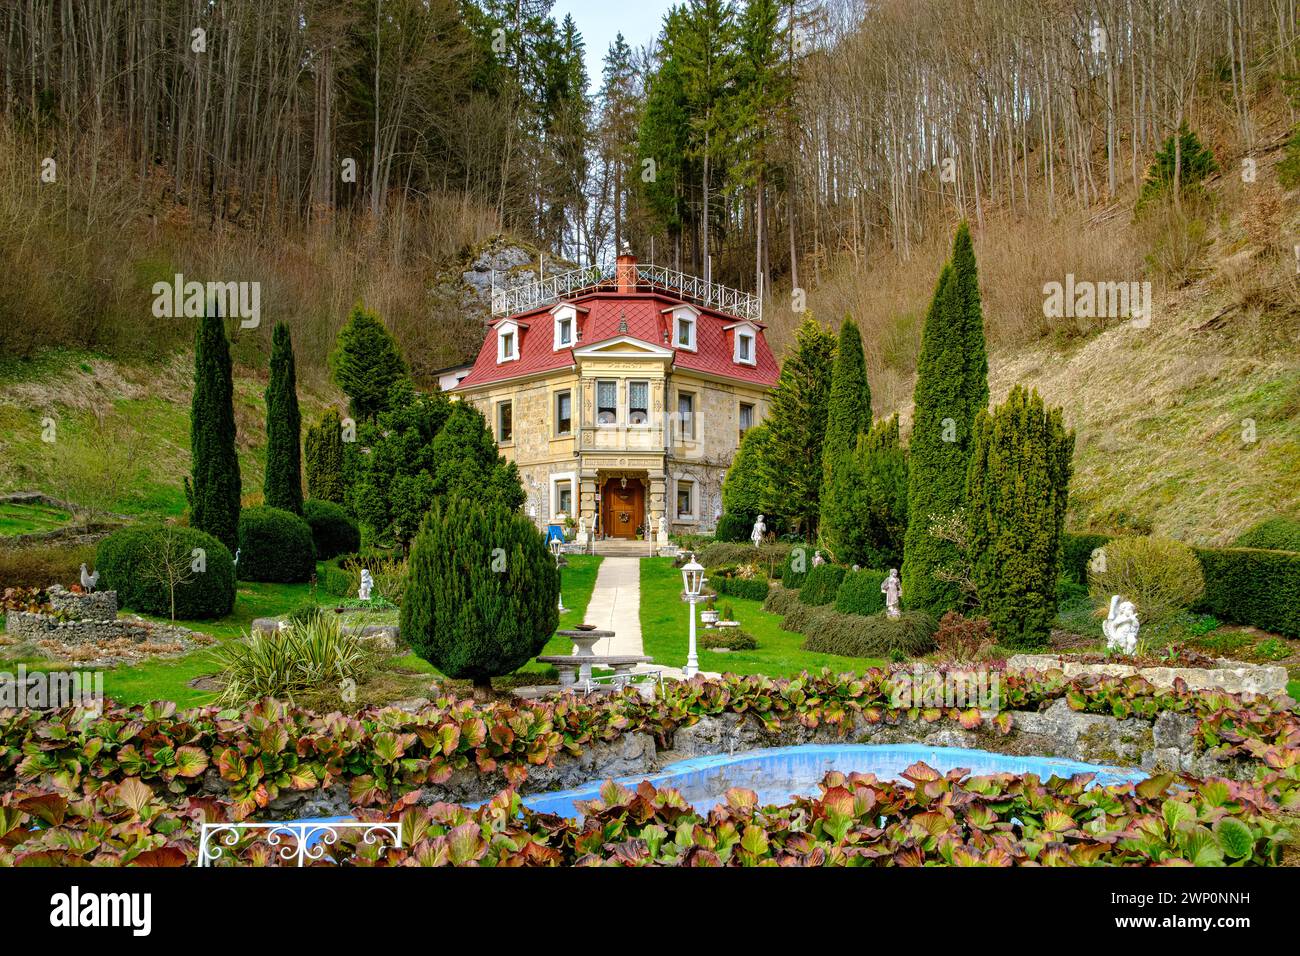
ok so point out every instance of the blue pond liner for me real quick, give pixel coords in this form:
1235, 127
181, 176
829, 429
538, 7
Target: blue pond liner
778, 773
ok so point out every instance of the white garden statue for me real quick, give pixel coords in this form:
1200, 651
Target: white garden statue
663, 529
760, 529
1121, 626
367, 582
892, 589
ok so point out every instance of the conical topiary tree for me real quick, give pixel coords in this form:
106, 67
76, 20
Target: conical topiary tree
324, 453
951, 387
848, 417
481, 599
881, 470
1017, 490
792, 459
282, 486
213, 489
744, 491
366, 362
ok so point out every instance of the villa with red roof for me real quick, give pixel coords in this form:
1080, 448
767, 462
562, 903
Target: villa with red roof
622, 398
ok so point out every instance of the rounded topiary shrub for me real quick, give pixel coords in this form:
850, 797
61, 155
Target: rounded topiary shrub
1160, 576
734, 527
1275, 534
151, 566
274, 546
727, 639
332, 530
482, 591
852, 635
860, 592
796, 566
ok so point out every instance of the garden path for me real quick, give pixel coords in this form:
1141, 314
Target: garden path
615, 605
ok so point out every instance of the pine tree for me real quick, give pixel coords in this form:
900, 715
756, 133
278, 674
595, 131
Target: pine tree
1183, 160
951, 387
1017, 491
366, 362
214, 486
483, 591
324, 453
282, 487
792, 463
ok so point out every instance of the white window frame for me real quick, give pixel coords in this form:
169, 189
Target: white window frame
752, 337
572, 478
565, 313
597, 409
694, 515
691, 317
504, 329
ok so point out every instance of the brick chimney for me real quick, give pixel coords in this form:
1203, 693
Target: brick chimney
625, 271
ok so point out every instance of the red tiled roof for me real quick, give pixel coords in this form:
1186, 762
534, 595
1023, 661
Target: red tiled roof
643, 312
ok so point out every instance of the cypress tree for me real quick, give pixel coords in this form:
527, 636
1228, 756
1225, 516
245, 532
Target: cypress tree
975, 373
744, 493
324, 450
848, 416
1017, 491
214, 478
881, 509
482, 594
282, 487
366, 362
792, 461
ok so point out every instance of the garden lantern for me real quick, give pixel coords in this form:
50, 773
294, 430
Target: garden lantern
692, 582
555, 544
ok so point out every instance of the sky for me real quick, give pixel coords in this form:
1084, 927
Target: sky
599, 21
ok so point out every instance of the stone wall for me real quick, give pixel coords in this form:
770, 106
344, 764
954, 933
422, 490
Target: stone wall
96, 606
26, 625
1232, 677
1155, 746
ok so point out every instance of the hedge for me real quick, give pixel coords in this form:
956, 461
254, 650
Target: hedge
1275, 534
333, 532
725, 581
127, 561
821, 584
333, 579
1253, 586
1076, 552
853, 635
275, 546
803, 554
719, 554
728, 638
781, 600
860, 592
734, 527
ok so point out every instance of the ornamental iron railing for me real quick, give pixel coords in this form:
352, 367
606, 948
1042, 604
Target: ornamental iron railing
565, 285
310, 841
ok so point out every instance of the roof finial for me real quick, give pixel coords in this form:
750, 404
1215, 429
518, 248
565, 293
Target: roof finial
622, 322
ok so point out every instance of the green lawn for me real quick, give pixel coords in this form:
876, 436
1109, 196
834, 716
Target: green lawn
665, 625
31, 519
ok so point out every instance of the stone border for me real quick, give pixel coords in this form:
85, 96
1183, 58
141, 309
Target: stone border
1164, 744
1233, 677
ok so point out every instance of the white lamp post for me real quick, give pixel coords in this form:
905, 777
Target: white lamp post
692, 581
555, 544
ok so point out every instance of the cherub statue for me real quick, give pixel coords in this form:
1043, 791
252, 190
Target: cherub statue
892, 589
760, 529
1121, 626
367, 583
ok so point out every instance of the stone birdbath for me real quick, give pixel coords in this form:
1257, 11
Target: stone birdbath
584, 639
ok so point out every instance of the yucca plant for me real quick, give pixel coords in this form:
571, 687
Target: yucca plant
311, 652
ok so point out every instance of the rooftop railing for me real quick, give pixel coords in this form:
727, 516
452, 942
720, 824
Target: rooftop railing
566, 285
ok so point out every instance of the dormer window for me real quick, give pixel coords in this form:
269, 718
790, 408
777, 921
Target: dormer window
507, 342
744, 347
684, 320
566, 325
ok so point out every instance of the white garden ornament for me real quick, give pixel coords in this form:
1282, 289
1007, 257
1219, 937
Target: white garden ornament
1121, 626
367, 583
760, 529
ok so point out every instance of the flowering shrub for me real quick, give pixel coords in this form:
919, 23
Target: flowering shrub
961, 639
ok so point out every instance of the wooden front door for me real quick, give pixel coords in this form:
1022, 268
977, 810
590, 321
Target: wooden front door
622, 510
